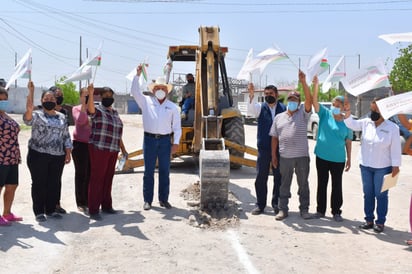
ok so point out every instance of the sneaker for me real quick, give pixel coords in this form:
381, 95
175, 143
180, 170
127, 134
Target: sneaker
281, 215
306, 215
367, 225
318, 215
96, 217
41, 218
338, 218
12, 218
4, 222
147, 206
378, 228
257, 211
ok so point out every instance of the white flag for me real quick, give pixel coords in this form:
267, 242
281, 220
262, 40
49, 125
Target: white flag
96, 59
401, 103
368, 78
84, 72
397, 37
313, 68
22, 69
337, 73
167, 69
245, 72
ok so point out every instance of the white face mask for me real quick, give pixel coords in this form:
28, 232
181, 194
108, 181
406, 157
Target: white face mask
160, 94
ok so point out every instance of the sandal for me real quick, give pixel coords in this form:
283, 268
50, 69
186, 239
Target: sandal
12, 218
408, 242
4, 222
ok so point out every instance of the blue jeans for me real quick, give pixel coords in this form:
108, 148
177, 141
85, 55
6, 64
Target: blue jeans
156, 149
264, 162
372, 180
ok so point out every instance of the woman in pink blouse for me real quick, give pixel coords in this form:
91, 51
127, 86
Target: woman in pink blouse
9, 159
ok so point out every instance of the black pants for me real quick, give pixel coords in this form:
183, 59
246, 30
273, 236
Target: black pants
46, 171
264, 162
80, 154
323, 168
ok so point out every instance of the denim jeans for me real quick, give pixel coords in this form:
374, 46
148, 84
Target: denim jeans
264, 162
372, 180
156, 149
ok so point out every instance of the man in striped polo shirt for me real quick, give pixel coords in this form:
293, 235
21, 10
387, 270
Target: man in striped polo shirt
289, 134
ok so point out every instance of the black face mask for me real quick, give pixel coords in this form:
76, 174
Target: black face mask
107, 102
191, 81
87, 99
270, 99
49, 105
375, 116
59, 100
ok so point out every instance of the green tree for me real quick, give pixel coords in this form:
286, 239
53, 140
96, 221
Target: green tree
71, 95
401, 74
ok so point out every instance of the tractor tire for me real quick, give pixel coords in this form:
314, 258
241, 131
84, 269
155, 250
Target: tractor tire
233, 130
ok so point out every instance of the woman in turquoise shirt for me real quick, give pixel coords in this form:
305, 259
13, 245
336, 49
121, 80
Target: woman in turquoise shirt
333, 153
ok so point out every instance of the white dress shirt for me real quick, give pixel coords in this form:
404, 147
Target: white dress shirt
157, 118
380, 146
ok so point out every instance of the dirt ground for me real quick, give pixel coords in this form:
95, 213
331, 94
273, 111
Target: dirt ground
187, 240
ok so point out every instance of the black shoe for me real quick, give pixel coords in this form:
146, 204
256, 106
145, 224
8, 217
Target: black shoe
165, 204
257, 211
96, 217
60, 210
147, 206
275, 210
41, 218
54, 215
109, 210
378, 228
367, 225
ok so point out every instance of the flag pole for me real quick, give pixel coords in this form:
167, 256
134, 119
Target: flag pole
94, 76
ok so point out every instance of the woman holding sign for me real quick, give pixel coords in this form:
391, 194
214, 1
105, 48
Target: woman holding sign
380, 154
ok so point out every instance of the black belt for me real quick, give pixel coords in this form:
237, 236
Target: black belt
156, 136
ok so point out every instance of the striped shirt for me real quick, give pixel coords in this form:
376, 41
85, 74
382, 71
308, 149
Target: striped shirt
291, 132
49, 133
107, 129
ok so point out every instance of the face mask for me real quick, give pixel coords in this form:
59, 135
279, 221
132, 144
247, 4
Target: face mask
59, 100
375, 116
270, 99
335, 110
4, 105
160, 94
191, 81
107, 102
49, 105
292, 106
87, 99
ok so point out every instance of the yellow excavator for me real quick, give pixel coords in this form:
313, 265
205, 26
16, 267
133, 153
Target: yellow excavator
214, 129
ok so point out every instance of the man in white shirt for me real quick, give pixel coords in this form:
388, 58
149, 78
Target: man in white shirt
161, 123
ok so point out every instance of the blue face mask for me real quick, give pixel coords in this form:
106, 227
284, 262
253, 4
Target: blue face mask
335, 110
4, 105
292, 106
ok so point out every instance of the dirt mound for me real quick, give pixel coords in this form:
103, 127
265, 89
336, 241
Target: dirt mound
215, 218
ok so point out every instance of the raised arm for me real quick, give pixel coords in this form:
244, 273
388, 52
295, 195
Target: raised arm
306, 90
28, 115
315, 101
90, 104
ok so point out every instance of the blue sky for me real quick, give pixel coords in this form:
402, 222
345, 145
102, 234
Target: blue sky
134, 30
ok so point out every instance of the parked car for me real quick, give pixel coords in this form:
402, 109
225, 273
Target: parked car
313, 123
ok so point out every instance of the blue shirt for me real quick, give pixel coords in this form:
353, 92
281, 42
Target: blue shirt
332, 136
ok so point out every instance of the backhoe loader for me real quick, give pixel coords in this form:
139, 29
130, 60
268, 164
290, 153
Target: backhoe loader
214, 129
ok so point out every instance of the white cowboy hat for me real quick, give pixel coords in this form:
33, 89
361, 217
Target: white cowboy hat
160, 81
